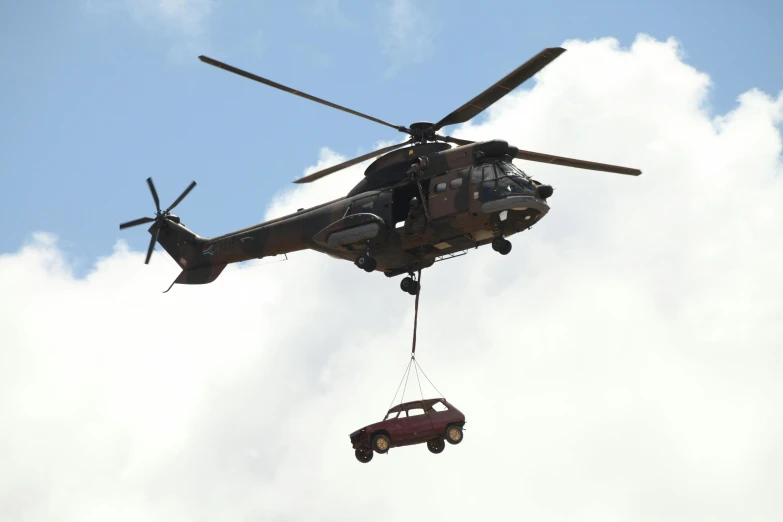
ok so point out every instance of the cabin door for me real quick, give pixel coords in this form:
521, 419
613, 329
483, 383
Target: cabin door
449, 193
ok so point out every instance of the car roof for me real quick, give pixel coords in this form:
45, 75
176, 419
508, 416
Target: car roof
425, 404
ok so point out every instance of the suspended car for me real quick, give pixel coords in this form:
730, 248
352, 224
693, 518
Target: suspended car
432, 421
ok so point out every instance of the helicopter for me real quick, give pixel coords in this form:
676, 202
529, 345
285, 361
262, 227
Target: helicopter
420, 202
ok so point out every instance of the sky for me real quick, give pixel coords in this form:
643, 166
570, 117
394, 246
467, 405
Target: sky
98, 95
621, 363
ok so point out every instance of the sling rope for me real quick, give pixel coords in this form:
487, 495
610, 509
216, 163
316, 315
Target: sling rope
416, 312
406, 374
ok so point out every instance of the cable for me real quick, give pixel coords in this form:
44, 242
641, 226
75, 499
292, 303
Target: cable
428, 380
417, 378
416, 311
406, 381
407, 368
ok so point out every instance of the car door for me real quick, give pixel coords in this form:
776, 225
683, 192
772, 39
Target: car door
419, 422
398, 426
440, 416
449, 193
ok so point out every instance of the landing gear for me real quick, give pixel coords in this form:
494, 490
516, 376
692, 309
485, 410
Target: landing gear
366, 262
410, 285
501, 245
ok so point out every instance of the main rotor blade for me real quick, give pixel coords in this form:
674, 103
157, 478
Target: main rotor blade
136, 222
325, 172
501, 88
153, 239
276, 85
558, 160
455, 140
579, 164
154, 193
181, 197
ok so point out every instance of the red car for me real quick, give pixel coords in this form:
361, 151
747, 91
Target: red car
431, 421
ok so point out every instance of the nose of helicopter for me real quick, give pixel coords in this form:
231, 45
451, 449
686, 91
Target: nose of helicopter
545, 191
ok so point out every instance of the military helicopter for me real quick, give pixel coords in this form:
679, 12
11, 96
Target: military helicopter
463, 197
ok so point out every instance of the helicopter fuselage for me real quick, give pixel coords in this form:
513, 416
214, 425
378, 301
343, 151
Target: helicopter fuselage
470, 198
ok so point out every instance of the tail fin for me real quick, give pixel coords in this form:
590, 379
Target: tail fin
191, 252
187, 249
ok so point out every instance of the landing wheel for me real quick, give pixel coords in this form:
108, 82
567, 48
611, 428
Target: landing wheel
501, 245
454, 434
381, 443
366, 263
409, 285
363, 455
436, 446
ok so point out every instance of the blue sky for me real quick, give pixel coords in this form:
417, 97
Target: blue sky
96, 96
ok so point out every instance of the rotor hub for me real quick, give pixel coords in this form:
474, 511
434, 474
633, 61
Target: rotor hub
423, 131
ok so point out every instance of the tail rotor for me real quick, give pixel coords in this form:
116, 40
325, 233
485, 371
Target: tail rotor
162, 217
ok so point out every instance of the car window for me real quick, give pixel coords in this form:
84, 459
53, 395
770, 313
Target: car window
440, 187
412, 412
438, 406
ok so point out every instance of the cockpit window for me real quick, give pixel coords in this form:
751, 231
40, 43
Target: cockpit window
489, 183
512, 180
510, 169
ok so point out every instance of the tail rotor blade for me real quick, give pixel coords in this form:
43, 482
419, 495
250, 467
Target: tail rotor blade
154, 193
136, 222
182, 196
153, 240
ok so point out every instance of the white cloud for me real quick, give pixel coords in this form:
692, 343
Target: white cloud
622, 363
327, 11
183, 20
407, 36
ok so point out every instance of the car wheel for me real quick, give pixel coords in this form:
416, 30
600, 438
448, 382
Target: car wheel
363, 455
381, 443
454, 434
436, 445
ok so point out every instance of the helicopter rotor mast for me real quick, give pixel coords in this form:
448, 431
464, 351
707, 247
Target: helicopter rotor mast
421, 132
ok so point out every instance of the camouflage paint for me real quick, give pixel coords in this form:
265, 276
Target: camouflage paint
463, 215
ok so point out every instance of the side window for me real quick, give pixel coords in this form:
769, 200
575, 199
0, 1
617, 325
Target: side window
440, 187
402, 415
364, 205
412, 412
455, 183
439, 406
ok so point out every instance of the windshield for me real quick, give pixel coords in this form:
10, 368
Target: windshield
510, 169
511, 180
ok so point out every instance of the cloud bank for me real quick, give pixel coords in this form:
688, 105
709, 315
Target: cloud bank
622, 363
